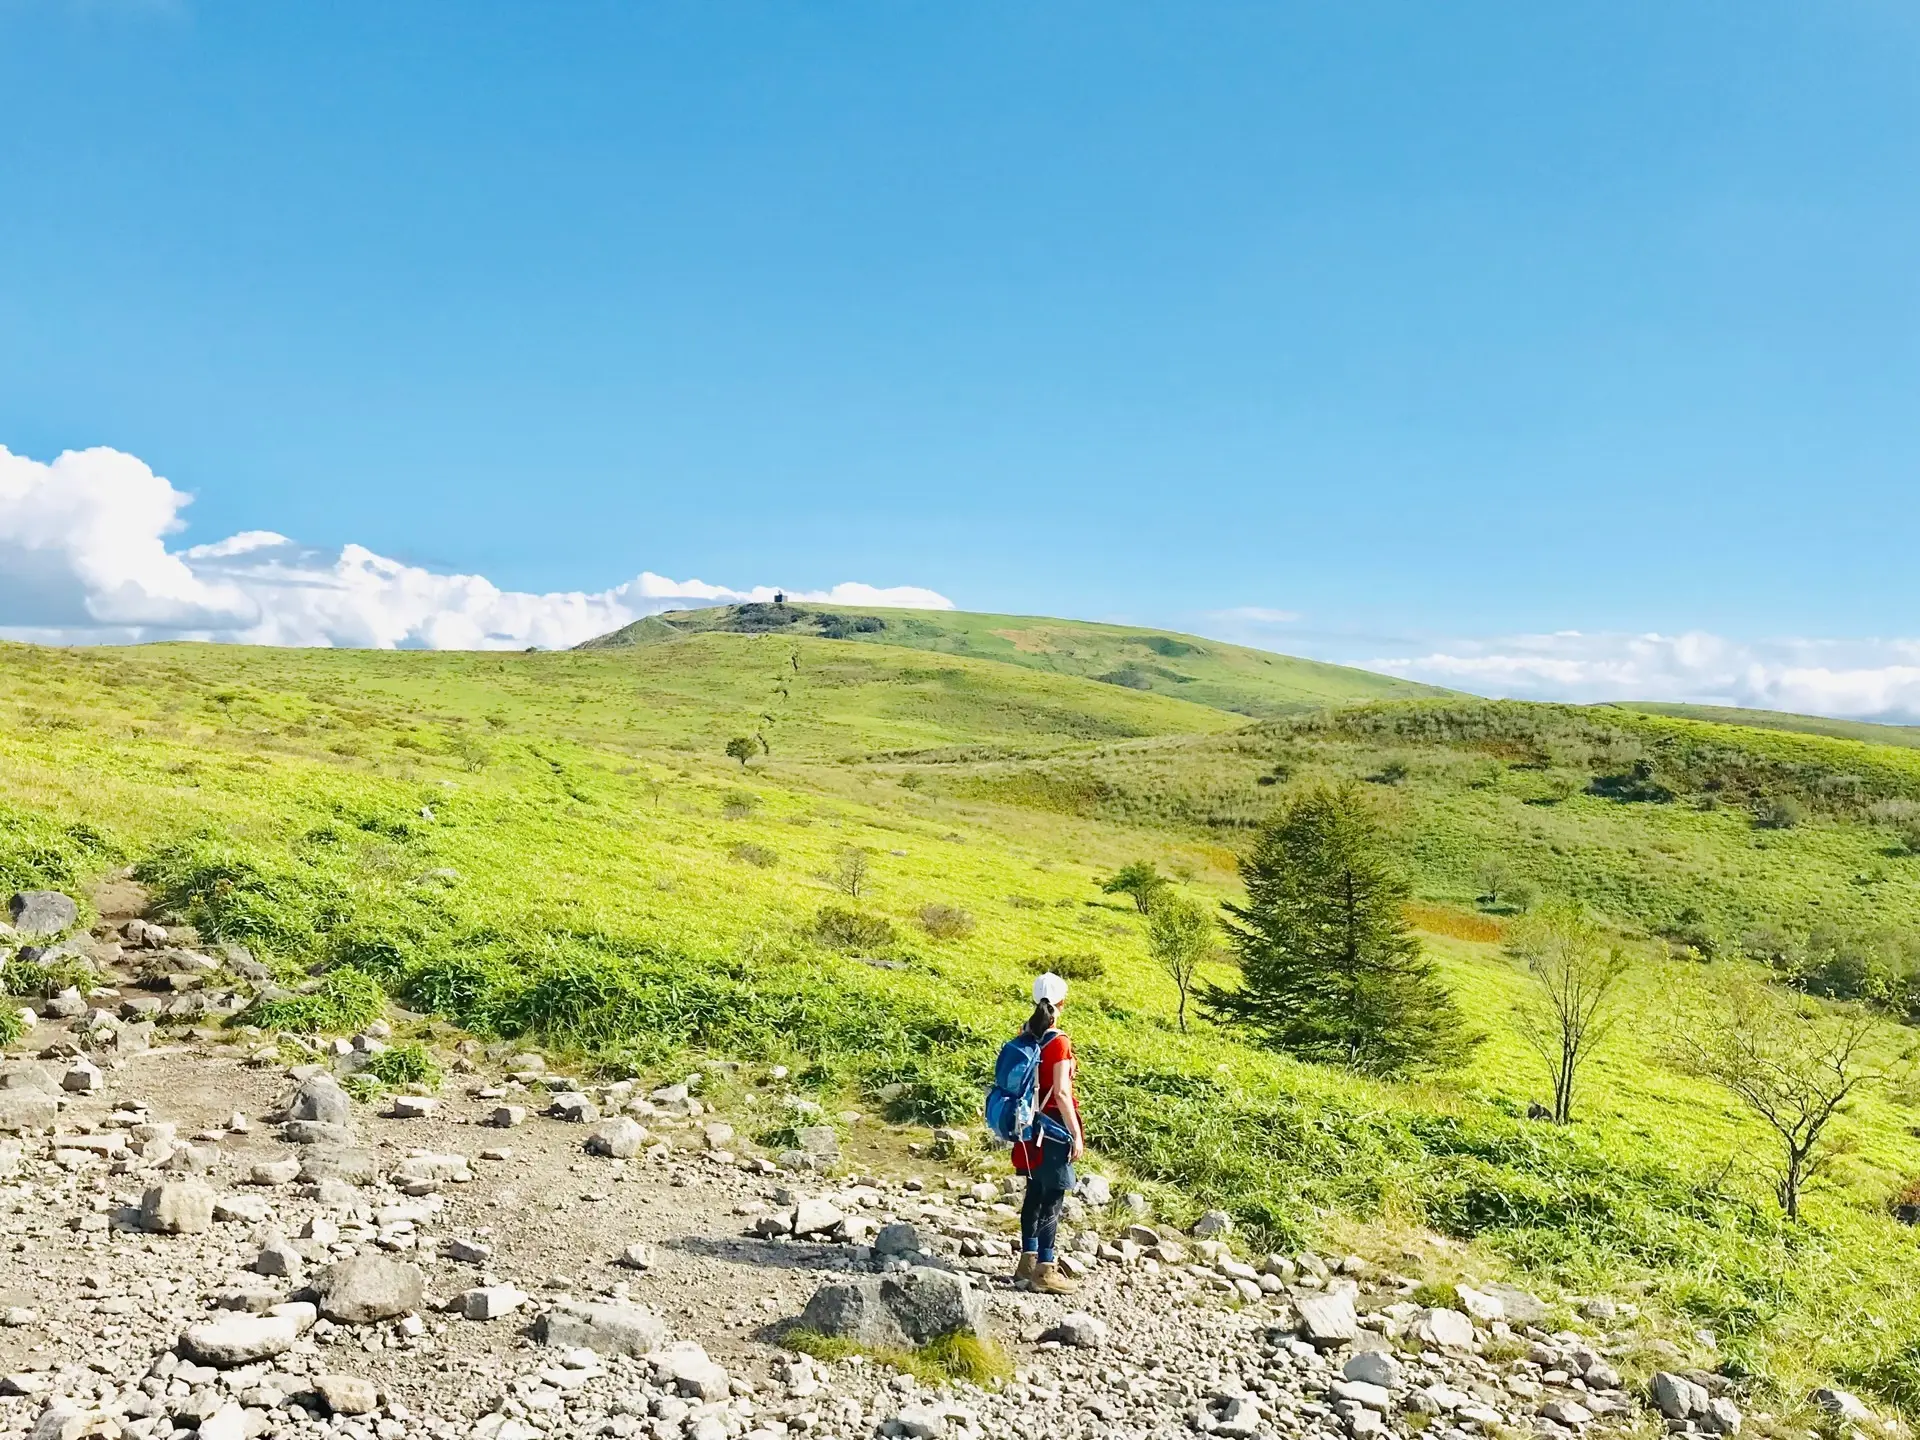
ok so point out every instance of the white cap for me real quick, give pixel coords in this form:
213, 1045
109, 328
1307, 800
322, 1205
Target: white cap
1050, 988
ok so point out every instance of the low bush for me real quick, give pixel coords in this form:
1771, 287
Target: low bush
43, 979
739, 804
762, 856
842, 929
345, 999
12, 1027
950, 1358
410, 1063
1082, 966
945, 922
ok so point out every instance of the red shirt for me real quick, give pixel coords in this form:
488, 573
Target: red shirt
1057, 1052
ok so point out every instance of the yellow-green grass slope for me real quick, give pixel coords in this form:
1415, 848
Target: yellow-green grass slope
1235, 678
540, 845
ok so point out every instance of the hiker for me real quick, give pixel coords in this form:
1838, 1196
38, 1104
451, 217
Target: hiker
1057, 1141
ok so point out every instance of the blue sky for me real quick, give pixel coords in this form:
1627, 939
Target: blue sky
1446, 329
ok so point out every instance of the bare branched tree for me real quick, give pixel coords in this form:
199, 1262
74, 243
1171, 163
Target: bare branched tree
1574, 972
1794, 1063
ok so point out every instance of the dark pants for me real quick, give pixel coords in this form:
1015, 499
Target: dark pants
1048, 1184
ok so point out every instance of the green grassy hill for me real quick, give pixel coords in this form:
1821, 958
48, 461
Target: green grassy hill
1254, 683
1864, 731
554, 846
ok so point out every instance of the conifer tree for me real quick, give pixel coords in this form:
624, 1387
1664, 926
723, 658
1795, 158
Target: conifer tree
1329, 970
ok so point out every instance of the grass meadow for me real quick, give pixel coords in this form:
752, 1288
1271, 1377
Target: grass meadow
555, 846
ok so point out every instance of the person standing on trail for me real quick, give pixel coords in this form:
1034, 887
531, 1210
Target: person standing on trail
1058, 1140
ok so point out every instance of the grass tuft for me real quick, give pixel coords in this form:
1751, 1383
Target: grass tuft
970, 1358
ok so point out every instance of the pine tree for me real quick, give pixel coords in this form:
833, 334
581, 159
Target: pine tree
1329, 970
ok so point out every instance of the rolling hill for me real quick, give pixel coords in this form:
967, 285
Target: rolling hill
1234, 678
556, 846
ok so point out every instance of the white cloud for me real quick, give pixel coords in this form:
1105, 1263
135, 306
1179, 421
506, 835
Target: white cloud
1859, 679
83, 559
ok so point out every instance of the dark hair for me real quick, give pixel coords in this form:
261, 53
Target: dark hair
1041, 1021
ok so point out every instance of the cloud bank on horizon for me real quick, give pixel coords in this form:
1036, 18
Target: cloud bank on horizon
1852, 679
84, 560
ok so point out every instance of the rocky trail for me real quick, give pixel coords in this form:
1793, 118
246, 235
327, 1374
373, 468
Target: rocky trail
202, 1229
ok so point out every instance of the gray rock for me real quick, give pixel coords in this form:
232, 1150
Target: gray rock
320, 1098
575, 1107
1096, 1190
1212, 1225
317, 1132
340, 1163
179, 1207
1567, 1412
622, 1138
1079, 1329
229, 1422
822, 1144
1843, 1403
899, 1238
685, 1368
604, 1329
274, 1172
348, 1394
1327, 1320
239, 1339
279, 1258
1375, 1367
812, 1217
42, 912
902, 1310
27, 1110
368, 1288
489, 1302
1444, 1329
1722, 1417
1677, 1397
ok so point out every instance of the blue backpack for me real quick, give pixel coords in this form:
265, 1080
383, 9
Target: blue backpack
1013, 1100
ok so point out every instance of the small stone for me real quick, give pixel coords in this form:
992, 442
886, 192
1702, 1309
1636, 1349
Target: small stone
413, 1107
638, 1256
179, 1207
1375, 1367
1567, 1412
1078, 1329
83, 1077
604, 1329
811, 1217
622, 1138
1212, 1225
1677, 1397
274, 1172
278, 1258
239, 1339
505, 1117
490, 1302
899, 1238
1444, 1329
1327, 1320
348, 1394
687, 1370
368, 1288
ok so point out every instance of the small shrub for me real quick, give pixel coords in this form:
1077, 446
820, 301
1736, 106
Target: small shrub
945, 922
748, 853
408, 1064
850, 873
12, 1027
346, 999
739, 804
843, 929
1026, 902
1082, 966
1783, 812
43, 979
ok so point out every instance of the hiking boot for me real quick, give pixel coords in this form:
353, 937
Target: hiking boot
1052, 1280
1029, 1262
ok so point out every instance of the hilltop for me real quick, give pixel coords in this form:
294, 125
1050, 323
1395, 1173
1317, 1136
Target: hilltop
554, 849
1234, 678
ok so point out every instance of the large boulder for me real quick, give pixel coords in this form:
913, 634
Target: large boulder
368, 1288
620, 1137
604, 1329
42, 912
902, 1310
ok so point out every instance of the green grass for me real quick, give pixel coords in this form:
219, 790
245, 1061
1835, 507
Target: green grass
952, 1357
1205, 672
406, 1065
540, 846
